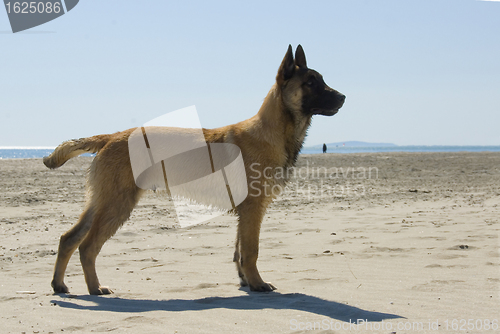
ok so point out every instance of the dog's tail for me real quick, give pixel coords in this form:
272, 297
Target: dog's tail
72, 148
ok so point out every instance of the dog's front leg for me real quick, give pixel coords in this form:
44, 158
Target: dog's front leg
250, 212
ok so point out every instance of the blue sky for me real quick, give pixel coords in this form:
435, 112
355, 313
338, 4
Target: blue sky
414, 72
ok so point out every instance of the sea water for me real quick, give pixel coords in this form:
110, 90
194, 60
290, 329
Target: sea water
33, 153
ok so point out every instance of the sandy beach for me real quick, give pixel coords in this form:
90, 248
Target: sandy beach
395, 242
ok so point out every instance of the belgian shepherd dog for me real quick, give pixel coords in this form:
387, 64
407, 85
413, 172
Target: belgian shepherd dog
271, 139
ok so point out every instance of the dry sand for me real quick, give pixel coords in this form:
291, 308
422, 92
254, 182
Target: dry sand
396, 239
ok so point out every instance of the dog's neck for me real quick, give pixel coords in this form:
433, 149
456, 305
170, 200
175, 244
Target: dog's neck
269, 113
276, 120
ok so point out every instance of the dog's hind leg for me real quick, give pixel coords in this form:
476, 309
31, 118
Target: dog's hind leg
250, 212
67, 245
108, 219
90, 248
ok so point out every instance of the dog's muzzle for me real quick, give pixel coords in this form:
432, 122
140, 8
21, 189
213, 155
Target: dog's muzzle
330, 112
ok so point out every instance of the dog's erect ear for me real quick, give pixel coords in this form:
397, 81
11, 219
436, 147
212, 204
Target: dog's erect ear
300, 57
287, 67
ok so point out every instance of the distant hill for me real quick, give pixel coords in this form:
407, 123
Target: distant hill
349, 144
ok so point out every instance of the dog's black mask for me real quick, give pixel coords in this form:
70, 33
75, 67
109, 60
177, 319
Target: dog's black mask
318, 97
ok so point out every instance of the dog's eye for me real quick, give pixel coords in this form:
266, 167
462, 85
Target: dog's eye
310, 83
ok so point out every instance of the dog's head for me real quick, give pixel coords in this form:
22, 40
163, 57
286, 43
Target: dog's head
303, 90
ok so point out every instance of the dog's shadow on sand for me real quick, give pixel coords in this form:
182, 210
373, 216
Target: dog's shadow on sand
251, 301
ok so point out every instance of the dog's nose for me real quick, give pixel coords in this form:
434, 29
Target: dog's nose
341, 100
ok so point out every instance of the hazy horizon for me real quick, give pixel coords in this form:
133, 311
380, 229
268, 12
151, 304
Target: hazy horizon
304, 147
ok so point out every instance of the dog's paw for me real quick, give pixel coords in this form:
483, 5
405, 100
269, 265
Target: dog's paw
243, 281
102, 290
59, 287
263, 287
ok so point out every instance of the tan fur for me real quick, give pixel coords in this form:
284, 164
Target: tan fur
265, 140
